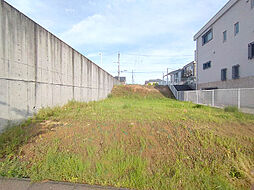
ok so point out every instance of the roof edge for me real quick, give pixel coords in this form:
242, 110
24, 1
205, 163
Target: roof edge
218, 15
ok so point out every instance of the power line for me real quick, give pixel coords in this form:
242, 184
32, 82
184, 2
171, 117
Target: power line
130, 72
147, 55
144, 72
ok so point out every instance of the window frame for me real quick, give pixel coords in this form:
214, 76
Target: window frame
224, 74
207, 65
234, 76
237, 31
225, 36
252, 3
206, 35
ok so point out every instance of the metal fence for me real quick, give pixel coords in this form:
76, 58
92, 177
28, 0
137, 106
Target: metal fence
242, 98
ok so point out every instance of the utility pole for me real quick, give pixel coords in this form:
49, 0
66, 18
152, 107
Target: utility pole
167, 76
163, 78
132, 77
118, 66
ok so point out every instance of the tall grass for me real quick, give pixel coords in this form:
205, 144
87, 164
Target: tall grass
133, 140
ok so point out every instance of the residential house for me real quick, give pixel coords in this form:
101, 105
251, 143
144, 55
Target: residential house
154, 82
189, 73
225, 48
175, 77
122, 79
186, 75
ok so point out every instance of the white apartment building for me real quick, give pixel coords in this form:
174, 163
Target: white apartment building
225, 48
175, 77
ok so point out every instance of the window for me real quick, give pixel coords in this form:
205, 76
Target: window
252, 4
224, 74
176, 77
237, 28
235, 72
207, 65
251, 50
207, 37
224, 36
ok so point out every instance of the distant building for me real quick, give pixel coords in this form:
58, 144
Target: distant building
175, 77
154, 82
189, 73
225, 48
186, 75
122, 79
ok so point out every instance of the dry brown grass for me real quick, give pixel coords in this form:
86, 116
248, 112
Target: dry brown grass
181, 146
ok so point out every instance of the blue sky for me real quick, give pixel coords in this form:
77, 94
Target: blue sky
151, 35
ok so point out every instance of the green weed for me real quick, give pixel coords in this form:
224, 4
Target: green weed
231, 109
13, 137
11, 167
136, 140
127, 170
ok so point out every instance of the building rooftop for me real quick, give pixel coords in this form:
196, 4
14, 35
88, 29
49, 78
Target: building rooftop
191, 63
173, 72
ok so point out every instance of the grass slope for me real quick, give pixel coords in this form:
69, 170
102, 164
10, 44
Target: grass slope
137, 139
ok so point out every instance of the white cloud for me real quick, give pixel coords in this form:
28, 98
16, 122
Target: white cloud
69, 10
124, 25
94, 29
151, 27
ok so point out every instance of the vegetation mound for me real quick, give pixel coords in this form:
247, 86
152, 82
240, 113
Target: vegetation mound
135, 139
141, 91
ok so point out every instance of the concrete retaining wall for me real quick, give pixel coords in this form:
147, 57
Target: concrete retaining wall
38, 70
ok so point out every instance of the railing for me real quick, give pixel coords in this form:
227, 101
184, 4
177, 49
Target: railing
242, 98
174, 91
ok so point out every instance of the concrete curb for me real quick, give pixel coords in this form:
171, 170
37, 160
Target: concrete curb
26, 184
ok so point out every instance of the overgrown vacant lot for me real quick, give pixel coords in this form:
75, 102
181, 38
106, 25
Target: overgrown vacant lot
137, 139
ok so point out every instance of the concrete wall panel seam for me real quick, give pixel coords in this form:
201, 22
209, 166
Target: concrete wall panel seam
37, 69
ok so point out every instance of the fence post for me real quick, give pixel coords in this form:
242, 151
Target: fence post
239, 98
197, 95
213, 98
187, 96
